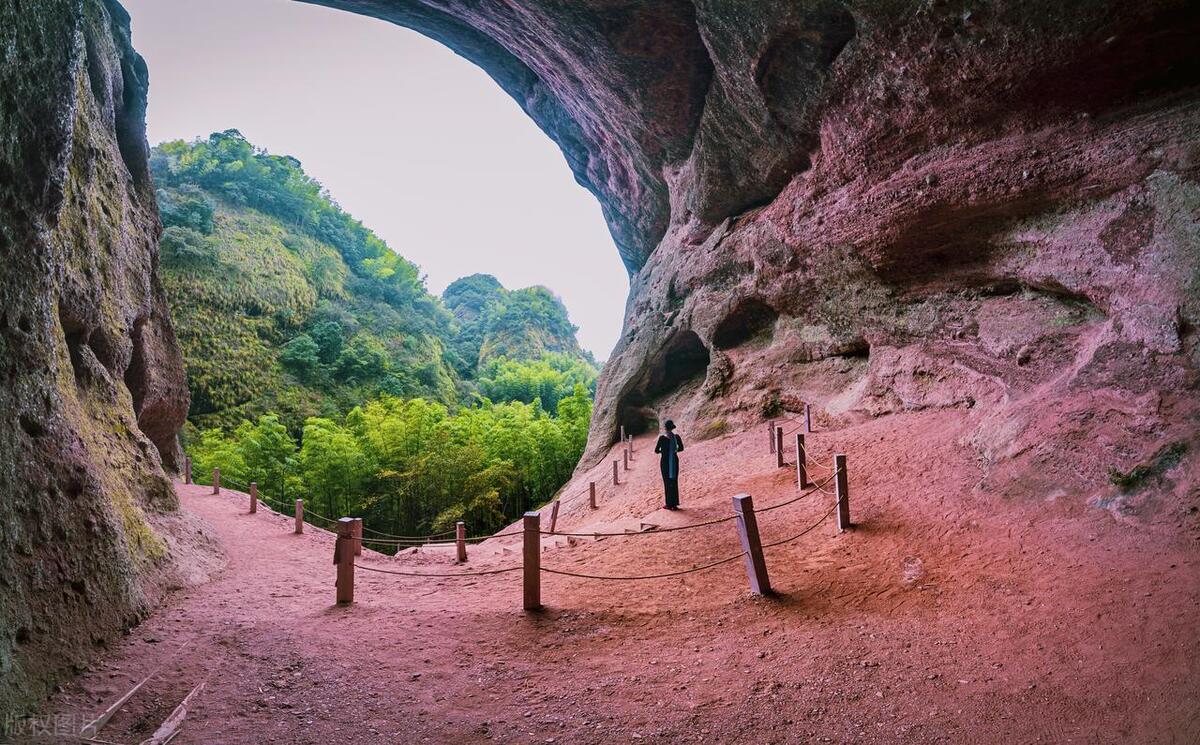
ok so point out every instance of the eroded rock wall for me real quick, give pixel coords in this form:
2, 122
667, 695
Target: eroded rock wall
870, 205
878, 206
92, 384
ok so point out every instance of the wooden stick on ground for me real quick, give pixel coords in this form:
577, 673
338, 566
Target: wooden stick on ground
92, 728
172, 724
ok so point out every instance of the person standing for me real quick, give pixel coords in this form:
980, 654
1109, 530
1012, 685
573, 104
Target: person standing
669, 446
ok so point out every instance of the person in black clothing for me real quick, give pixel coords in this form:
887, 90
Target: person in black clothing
670, 445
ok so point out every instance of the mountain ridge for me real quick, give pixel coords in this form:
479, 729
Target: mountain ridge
285, 303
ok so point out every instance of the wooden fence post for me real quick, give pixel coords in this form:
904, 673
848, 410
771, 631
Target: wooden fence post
622, 433
358, 535
616, 480
343, 556
807, 418
625, 458
771, 434
843, 493
801, 462
460, 538
216, 481
299, 516
779, 447
592, 494
532, 555
253, 497
187, 470
629, 447
553, 515
747, 526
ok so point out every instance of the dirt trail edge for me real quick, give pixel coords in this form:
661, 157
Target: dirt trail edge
945, 616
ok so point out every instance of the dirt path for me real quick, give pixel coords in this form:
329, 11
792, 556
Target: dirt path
941, 618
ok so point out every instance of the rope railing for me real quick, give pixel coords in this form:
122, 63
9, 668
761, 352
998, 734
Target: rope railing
308, 513
351, 539
815, 488
804, 532
406, 543
795, 429
702, 568
443, 534
664, 575
818, 464
482, 573
283, 507
704, 524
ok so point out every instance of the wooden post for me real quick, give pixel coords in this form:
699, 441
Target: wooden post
533, 560
253, 497
622, 434
216, 481
779, 447
299, 516
460, 538
592, 494
843, 493
801, 463
187, 470
343, 556
771, 434
807, 418
625, 458
630, 447
553, 515
357, 536
616, 480
747, 526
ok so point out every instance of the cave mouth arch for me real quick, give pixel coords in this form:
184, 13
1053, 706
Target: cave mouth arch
747, 319
682, 360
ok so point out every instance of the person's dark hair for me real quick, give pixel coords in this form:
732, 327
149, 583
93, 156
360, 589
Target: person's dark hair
669, 425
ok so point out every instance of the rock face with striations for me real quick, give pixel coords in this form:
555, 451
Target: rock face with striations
92, 386
882, 206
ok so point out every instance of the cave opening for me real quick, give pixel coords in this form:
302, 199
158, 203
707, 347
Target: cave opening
409, 133
746, 320
681, 361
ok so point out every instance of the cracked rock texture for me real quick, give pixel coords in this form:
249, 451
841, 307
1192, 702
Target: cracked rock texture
877, 206
92, 384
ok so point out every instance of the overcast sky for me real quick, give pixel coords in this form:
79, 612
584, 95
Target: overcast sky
416, 142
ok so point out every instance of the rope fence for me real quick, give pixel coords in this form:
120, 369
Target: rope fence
804, 532
664, 575
744, 514
483, 573
350, 537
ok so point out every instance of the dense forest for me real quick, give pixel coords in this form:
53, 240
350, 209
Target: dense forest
320, 365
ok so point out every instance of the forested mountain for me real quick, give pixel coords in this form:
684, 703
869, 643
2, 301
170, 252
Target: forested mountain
319, 363
285, 304
516, 324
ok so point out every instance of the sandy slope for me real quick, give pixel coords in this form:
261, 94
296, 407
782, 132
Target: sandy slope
944, 617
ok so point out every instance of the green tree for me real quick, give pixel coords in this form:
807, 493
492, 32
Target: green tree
549, 379
268, 453
363, 359
216, 450
333, 467
328, 337
301, 355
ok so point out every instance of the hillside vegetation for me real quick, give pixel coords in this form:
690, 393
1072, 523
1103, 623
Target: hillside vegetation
318, 362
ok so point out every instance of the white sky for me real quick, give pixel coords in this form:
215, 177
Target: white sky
413, 140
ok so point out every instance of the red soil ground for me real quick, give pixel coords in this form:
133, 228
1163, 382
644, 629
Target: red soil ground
945, 616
